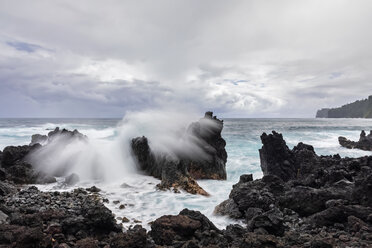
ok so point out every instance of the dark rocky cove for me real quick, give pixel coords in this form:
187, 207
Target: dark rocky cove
303, 200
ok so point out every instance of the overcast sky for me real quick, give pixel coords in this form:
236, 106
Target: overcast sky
238, 58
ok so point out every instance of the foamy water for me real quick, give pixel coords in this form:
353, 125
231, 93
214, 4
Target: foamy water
143, 202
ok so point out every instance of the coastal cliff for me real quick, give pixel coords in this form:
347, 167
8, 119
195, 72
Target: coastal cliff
358, 109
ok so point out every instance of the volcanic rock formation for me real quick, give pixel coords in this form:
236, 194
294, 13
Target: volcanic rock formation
179, 171
364, 143
15, 165
304, 198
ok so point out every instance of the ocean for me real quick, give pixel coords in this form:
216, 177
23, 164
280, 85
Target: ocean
137, 192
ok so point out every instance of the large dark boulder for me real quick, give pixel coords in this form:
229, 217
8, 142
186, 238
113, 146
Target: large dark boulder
168, 227
180, 169
16, 167
172, 171
23, 173
17, 162
251, 196
12, 154
277, 159
145, 157
186, 226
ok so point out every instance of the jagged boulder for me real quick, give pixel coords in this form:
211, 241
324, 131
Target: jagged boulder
17, 169
251, 196
188, 225
172, 171
75, 134
208, 133
277, 159
16, 165
180, 170
57, 132
13, 154
364, 143
145, 157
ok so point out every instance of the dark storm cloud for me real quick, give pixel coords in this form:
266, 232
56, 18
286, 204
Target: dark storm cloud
239, 58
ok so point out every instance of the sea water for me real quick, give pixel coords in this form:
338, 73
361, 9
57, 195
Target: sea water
137, 192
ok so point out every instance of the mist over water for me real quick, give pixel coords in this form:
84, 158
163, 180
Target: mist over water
106, 156
108, 160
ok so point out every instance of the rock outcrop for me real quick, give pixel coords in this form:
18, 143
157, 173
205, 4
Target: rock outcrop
172, 172
187, 229
277, 159
207, 132
364, 143
16, 168
15, 165
304, 198
56, 133
180, 170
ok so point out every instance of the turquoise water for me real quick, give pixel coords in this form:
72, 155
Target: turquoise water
243, 141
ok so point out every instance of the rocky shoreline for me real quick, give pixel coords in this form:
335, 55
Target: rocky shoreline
303, 200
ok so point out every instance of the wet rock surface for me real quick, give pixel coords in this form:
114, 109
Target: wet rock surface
62, 219
179, 171
208, 133
305, 200
364, 142
15, 165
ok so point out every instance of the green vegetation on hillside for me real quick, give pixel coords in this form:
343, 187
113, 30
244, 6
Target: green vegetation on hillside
358, 109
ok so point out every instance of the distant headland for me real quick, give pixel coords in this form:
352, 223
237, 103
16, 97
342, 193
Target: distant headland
357, 109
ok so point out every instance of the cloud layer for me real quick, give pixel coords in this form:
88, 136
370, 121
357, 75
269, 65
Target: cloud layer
238, 58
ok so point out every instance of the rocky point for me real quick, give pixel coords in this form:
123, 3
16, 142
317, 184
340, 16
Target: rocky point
180, 171
364, 142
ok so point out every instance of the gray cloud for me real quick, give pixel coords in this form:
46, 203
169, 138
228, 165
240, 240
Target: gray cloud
239, 58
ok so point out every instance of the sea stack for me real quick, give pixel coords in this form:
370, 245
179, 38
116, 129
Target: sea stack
181, 170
